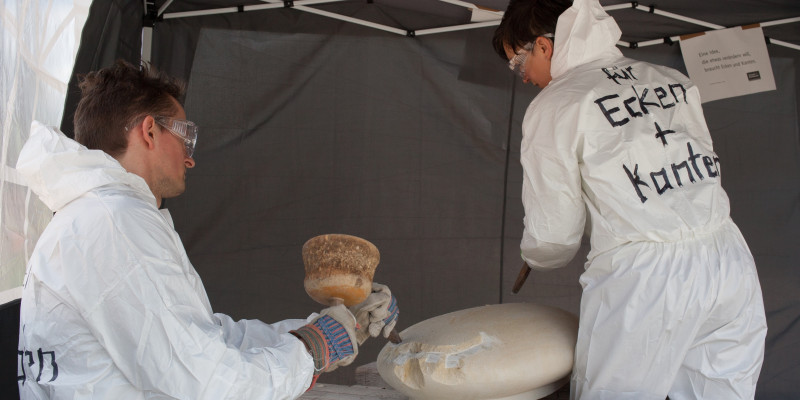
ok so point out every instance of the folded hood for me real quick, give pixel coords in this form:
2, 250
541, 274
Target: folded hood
59, 169
584, 33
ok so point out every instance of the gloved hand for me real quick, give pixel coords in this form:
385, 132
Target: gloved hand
330, 338
378, 312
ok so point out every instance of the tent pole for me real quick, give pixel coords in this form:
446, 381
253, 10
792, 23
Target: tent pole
147, 42
214, 11
678, 17
780, 21
457, 27
230, 10
352, 20
301, 5
147, 29
618, 7
471, 6
674, 39
164, 7
784, 44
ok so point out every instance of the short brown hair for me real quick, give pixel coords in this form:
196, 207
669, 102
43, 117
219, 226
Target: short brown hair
525, 20
114, 97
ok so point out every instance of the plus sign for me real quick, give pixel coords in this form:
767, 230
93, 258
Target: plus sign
662, 134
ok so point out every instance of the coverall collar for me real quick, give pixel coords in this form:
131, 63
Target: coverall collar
59, 169
584, 33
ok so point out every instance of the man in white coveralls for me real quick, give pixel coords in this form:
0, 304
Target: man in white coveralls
671, 300
111, 306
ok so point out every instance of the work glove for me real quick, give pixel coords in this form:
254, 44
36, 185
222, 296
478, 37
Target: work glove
330, 338
377, 313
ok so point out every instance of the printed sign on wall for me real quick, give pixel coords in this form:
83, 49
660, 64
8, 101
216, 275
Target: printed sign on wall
728, 62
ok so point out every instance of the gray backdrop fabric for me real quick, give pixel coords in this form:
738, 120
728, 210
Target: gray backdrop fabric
312, 126
307, 134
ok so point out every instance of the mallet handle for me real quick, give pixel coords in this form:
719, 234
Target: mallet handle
523, 275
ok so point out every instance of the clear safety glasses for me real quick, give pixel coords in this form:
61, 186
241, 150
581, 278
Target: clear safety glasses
517, 63
186, 130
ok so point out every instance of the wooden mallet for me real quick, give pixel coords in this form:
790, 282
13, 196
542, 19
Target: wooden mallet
339, 270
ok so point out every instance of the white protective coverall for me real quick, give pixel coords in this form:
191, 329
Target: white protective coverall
113, 309
671, 300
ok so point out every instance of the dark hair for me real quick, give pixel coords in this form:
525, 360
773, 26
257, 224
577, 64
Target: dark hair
525, 20
114, 97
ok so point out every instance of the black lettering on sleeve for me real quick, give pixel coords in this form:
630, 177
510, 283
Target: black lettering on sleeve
676, 171
662, 94
693, 159
607, 113
41, 365
672, 87
636, 181
665, 177
53, 364
21, 355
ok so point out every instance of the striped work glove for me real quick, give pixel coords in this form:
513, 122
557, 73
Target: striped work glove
377, 313
330, 338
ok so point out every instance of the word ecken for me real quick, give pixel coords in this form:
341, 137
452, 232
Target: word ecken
637, 105
643, 102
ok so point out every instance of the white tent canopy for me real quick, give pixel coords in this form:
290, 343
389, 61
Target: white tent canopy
481, 17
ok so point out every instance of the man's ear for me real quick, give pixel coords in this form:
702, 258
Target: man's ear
545, 45
147, 132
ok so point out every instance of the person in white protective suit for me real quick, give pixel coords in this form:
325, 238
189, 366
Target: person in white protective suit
671, 300
111, 306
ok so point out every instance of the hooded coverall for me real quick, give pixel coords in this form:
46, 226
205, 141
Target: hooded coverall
671, 300
113, 309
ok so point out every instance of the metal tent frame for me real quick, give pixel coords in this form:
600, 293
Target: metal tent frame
481, 17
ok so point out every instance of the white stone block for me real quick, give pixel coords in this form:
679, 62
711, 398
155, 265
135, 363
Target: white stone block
505, 351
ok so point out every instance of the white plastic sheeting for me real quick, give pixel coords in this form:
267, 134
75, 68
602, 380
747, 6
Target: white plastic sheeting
39, 40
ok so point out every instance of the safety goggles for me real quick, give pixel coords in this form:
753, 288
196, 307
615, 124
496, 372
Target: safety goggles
186, 130
517, 63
